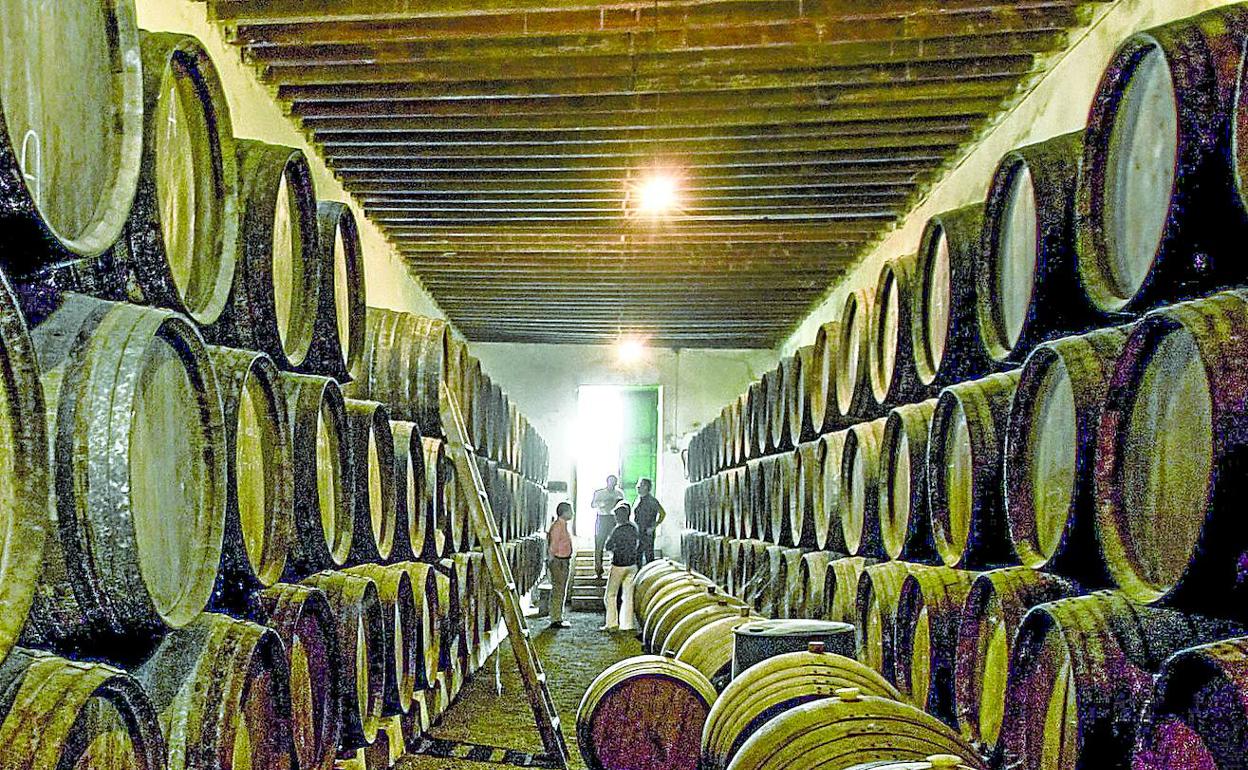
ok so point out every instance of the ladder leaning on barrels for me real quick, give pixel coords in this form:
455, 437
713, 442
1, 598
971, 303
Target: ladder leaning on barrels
482, 515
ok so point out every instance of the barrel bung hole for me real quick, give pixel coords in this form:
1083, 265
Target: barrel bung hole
1167, 462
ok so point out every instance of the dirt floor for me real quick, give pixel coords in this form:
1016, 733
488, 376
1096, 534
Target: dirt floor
572, 658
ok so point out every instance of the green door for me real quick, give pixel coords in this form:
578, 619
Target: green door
639, 439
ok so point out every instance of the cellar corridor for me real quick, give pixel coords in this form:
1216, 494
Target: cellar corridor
572, 658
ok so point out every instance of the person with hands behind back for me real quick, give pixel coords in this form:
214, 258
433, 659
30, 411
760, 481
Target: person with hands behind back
623, 545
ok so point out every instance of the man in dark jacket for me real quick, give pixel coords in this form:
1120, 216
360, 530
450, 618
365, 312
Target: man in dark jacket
648, 514
623, 544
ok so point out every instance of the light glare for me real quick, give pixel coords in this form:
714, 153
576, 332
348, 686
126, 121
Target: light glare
658, 195
630, 350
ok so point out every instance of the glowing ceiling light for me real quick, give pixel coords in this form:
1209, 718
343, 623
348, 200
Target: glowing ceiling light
630, 350
658, 194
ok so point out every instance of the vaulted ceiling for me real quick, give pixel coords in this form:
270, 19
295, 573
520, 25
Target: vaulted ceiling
500, 143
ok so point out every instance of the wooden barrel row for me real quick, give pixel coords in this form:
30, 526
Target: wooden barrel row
1048, 252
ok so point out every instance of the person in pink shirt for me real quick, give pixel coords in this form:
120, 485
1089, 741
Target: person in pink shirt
559, 550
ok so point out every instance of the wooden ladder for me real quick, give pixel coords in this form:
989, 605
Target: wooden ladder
482, 515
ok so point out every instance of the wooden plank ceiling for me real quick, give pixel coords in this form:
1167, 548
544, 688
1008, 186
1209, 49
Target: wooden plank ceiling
500, 143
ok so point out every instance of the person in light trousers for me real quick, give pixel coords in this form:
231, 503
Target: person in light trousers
559, 551
623, 544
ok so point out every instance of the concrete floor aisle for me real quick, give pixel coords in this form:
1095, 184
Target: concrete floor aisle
572, 658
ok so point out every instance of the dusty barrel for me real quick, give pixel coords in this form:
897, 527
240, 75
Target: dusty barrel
401, 653
1061, 709
338, 331
1050, 453
890, 359
1027, 285
25, 480
1159, 216
807, 516
709, 649
222, 689
644, 713
411, 524
811, 601
1198, 709
272, 305
993, 611
304, 622
360, 630
405, 360
324, 521
829, 525
825, 414
905, 523
182, 238
860, 488
438, 475
259, 475
71, 101
851, 385
1171, 448
925, 632
840, 588
133, 404
848, 728
59, 713
948, 345
371, 449
768, 689
964, 453
875, 613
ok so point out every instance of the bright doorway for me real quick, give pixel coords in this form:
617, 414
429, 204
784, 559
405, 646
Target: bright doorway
617, 434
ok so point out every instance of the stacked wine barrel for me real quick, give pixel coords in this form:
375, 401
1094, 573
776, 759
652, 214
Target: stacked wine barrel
1013, 464
232, 521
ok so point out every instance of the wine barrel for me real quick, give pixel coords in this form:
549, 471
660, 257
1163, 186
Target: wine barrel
782, 496
409, 487
875, 613
926, 638
1155, 182
851, 384
324, 520
401, 653
800, 427
303, 620
834, 503
133, 404
767, 689
848, 728
669, 616
665, 597
72, 107
948, 345
437, 476
1196, 716
810, 601
1027, 284
754, 517
338, 336
25, 479
966, 444
182, 239
1063, 706
905, 523
933, 762
991, 616
371, 449
644, 713
453, 644
260, 480
860, 489
723, 608
890, 346
710, 648
1050, 451
781, 403
1172, 439
222, 689
825, 416
807, 511
61, 713
653, 577
272, 304
787, 582
361, 663
405, 360
840, 588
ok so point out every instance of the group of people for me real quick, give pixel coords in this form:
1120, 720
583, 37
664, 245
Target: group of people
626, 531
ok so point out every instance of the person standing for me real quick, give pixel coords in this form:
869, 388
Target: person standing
559, 550
648, 514
604, 503
623, 547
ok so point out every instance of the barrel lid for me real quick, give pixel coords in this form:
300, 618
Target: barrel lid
794, 628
